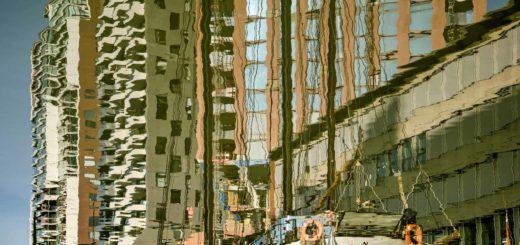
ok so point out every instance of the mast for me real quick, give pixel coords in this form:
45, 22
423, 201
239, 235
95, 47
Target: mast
209, 194
286, 106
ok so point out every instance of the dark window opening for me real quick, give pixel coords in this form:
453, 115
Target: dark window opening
160, 36
90, 124
175, 49
187, 146
174, 21
175, 164
160, 145
160, 213
162, 107
160, 4
197, 198
175, 86
175, 196
176, 128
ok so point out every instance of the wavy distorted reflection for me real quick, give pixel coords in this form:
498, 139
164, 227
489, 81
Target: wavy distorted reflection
230, 122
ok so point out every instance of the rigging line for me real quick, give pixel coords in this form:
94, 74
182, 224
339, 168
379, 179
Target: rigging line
349, 178
208, 123
441, 205
373, 190
413, 186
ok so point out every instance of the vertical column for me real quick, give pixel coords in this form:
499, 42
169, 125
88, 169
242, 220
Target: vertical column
324, 39
438, 23
239, 65
272, 95
403, 26
348, 12
87, 140
479, 10
301, 65
372, 43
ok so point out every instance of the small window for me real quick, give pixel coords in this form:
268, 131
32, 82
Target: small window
90, 93
421, 148
92, 197
89, 114
160, 213
92, 221
394, 157
90, 124
160, 180
174, 21
160, 4
160, 65
197, 198
162, 107
407, 155
175, 86
176, 128
175, 164
175, 196
381, 166
160, 36
175, 49
188, 108
160, 145
187, 146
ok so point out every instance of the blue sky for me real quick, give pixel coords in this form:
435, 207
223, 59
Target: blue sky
20, 23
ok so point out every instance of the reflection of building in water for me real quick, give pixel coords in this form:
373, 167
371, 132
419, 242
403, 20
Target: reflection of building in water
449, 132
64, 117
146, 73
152, 127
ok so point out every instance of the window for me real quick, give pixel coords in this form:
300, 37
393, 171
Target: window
175, 49
197, 198
394, 164
92, 221
381, 166
90, 124
175, 164
138, 214
176, 128
90, 93
160, 213
407, 155
175, 86
160, 145
160, 36
160, 180
160, 65
89, 114
175, 196
160, 4
174, 21
162, 107
187, 146
420, 148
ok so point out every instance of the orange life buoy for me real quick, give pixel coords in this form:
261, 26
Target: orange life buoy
315, 235
417, 231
